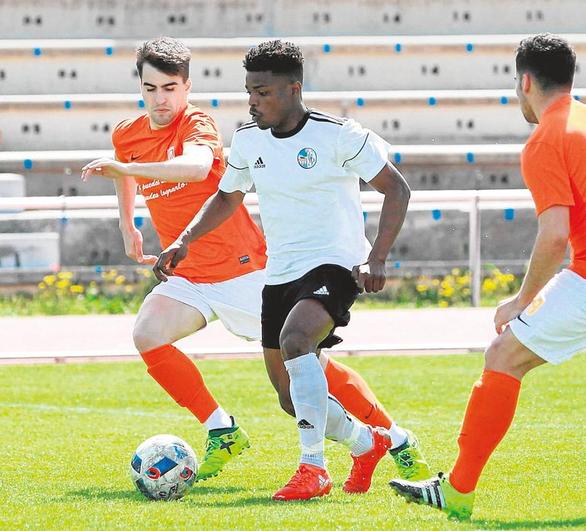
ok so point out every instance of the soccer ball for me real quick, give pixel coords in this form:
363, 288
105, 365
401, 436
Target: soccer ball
163, 467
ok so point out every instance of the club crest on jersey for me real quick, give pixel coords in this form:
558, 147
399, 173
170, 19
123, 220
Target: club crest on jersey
307, 158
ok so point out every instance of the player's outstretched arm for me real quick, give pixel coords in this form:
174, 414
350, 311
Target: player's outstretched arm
193, 165
126, 194
548, 254
371, 276
215, 211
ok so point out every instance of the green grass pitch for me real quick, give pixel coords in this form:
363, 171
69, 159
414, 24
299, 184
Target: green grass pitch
67, 433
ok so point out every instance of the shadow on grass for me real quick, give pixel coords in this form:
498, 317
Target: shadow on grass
198, 497
103, 494
531, 524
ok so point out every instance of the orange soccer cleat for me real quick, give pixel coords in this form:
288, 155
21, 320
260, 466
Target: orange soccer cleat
308, 482
363, 465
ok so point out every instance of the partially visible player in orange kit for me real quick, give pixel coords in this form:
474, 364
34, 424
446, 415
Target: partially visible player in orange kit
173, 154
546, 321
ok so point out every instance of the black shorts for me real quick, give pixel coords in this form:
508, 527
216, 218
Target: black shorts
332, 285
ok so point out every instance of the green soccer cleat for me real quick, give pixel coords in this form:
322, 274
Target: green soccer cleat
437, 492
222, 446
409, 460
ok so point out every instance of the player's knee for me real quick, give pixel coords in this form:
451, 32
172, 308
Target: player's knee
144, 339
295, 343
495, 356
501, 357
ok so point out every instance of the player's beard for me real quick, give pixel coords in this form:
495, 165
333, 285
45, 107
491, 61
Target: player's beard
528, 113
162, 119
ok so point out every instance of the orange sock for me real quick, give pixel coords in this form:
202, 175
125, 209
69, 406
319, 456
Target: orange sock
350, 389
179, 376
489, 414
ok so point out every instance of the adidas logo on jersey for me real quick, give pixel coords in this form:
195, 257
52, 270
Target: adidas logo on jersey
321, 291
259, 164
305, 425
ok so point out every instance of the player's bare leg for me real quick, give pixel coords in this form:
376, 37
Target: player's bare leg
490, 412
162, 321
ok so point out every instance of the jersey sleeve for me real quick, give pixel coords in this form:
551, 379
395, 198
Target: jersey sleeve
201, 129
237, 175
119, 153
546, 176
361, 151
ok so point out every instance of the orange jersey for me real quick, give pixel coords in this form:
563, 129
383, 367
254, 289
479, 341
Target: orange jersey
234, 248
553, 164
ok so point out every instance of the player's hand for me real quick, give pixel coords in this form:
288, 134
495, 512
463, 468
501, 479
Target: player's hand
169, 259
506, 311
370, 276
133, 247
104, 167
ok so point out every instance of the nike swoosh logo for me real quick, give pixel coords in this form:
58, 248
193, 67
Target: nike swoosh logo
134, 157
519, 317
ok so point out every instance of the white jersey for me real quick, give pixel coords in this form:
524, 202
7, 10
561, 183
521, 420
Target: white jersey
308, 189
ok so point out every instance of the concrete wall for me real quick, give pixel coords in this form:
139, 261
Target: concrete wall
224, 18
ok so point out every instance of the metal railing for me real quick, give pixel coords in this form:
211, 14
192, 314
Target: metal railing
471, 201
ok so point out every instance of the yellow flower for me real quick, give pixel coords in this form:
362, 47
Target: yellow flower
488, 285
443, 304
76, 288
62, 284
455, 272
49, 280
128, 289
435, 282
65, 275
421, 288
446, 283
42, 285
447, 292
463, 280
110, 275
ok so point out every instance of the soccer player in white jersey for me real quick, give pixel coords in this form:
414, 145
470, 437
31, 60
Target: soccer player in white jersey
306, 167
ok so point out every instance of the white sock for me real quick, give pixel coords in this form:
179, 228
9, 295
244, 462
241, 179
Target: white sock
398, 435
309, 394
218, 419
349, 431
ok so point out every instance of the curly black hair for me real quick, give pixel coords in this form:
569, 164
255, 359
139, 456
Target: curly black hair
277, 57
166, 54
549, 58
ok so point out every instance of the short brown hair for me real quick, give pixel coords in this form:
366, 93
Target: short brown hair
166, 54
550, 58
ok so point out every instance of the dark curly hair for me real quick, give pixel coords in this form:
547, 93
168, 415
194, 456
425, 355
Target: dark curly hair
549, 58
166, 54
277, 57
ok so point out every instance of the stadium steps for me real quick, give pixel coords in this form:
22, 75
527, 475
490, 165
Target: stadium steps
196, 18
422, 117
434, 167
87, 66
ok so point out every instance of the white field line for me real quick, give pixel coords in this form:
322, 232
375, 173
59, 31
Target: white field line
82, 410
243, 352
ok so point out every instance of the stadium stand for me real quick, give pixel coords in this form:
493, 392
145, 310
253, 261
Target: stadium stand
433, 77
139, 19
457, 62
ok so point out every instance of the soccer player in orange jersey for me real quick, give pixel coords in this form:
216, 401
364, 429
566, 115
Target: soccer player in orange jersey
547, 318
173, 156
